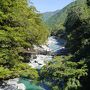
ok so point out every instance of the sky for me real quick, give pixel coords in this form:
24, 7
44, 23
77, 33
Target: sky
50, 5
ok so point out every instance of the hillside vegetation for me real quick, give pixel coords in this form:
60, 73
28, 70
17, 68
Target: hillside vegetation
47, 15
72, 72
21, 27
56, 21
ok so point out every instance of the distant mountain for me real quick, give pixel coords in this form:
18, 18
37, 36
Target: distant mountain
56, 19
47, 15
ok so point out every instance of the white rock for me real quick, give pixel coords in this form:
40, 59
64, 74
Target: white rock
21, 86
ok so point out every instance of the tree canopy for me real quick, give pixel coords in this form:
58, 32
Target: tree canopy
21, 27
73, 71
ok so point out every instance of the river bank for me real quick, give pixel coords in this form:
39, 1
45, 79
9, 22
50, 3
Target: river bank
52, 45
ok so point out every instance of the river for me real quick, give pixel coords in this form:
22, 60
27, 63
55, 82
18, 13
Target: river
54, 45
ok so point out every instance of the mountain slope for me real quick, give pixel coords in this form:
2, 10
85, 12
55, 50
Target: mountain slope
47, 15
57, 19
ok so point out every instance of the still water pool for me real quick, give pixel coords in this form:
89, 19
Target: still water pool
30, 85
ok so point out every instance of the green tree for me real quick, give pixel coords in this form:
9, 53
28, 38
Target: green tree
64, 73
73, 71
20, 28
78, 32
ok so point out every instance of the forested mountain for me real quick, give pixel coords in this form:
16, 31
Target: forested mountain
56, 18
47, 15
55, 22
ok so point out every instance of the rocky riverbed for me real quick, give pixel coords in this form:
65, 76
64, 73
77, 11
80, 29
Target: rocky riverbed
51, 47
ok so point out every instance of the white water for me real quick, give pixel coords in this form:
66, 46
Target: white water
56, 44
40, 61
52, 45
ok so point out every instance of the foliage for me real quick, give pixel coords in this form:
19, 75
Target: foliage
71, 73
47, 15
19, 70
21, 27
78, 31
54, 21
24, 70
57, 20
76, 27
5, 73
64, 73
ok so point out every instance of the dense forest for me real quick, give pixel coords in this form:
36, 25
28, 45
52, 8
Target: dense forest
71, 72
22, 26
47, 15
